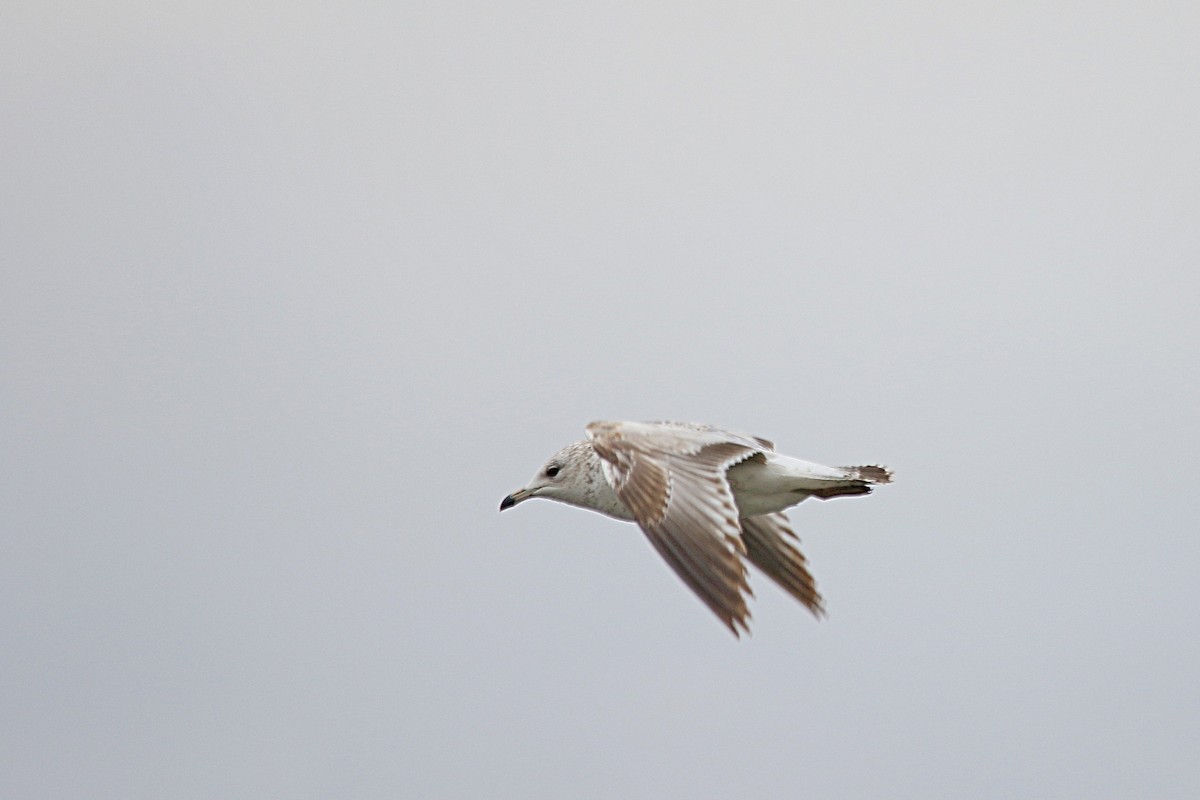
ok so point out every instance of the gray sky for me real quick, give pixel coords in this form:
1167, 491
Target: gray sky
294, 294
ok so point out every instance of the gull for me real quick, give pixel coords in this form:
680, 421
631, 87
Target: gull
706, 498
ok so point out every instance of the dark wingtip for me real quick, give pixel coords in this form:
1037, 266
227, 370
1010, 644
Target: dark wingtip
507, 502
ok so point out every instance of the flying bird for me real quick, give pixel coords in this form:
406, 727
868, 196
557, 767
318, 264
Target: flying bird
706, 499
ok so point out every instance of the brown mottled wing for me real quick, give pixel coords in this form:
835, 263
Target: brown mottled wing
771, 546
673, 480
676, 435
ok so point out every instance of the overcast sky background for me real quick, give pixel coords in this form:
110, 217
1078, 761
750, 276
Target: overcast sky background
295, 293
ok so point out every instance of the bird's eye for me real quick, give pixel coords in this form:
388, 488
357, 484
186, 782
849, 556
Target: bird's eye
551, 472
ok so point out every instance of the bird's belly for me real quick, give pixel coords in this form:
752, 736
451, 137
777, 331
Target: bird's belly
755, 505
760, 488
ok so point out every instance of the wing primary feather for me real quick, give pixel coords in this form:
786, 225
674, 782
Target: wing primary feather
769, 547
672, 478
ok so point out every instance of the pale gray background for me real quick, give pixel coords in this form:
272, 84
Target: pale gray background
294, 294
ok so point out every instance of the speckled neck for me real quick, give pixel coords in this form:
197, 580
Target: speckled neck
593, 490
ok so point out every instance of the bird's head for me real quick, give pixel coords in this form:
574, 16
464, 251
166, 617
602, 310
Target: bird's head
568, 477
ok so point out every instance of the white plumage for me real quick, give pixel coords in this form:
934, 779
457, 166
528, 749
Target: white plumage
705, 497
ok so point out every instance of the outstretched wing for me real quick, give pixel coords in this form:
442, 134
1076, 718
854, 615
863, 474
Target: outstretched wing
672, 477
676, 435
771, 546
